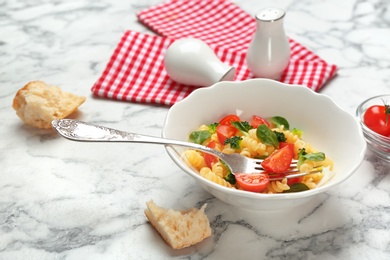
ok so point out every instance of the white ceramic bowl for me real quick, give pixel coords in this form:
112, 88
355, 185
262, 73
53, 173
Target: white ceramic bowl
326, 126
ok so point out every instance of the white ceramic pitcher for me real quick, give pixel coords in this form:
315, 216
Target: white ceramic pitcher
192, 62
269, 51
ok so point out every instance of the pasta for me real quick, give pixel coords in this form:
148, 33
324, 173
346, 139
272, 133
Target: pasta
219, 169
207, 173
244, 139
277, 186
195, 158
253, 146
309, 183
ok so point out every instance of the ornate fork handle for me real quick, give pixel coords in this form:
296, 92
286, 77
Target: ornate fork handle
86, 132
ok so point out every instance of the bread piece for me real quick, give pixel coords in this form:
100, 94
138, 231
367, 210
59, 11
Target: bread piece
37, 104
179, 229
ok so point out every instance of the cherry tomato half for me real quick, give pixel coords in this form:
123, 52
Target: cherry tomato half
228, 119
209, 158
290, 181
279, 161
225, 131
294, 180
257, 120
255, 182
290, 145
377, 118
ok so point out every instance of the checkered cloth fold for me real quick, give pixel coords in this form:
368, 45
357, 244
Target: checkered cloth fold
136, 70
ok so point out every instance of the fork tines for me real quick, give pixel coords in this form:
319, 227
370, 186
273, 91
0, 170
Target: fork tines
291, 174
293, 165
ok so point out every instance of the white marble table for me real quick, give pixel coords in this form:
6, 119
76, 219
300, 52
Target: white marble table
67, 200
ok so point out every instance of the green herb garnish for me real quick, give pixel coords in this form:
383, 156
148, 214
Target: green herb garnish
280, 136
279, 121
303, 156
199, 137
230, 178
243, 126
267, 136
213, 128
297, 132
297, 187
234, 142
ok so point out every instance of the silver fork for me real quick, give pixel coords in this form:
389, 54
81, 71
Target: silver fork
86, 132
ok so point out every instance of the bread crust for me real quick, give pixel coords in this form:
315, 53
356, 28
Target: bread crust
179, 229
37, 104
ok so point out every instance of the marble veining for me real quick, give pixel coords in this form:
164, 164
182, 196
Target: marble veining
72, 200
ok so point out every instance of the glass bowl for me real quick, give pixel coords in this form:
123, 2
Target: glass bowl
378, 144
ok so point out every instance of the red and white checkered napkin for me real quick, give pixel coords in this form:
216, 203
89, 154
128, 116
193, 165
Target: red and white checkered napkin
136, 70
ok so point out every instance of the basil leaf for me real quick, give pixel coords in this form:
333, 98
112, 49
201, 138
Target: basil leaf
199, 136
267, 136
242, 126
320, 156
297, 187
303, 156
278, 121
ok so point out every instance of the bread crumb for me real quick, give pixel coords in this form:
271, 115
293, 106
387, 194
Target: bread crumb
37, 104
179, 229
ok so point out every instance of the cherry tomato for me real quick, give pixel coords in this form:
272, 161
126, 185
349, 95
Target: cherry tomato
279, 161
229, 118
257, 120
209, 158
294, 180
255, 182
377, 118
225, 131
290, 181
290, 145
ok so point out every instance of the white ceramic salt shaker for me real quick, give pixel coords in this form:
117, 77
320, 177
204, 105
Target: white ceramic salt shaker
269, 51
192, 62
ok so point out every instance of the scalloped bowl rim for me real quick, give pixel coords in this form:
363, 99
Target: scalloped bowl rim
199, 94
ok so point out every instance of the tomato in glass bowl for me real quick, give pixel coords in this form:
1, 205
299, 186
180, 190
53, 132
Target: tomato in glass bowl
375, 122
